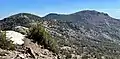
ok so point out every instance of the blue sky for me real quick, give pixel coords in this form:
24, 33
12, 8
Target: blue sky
43, 7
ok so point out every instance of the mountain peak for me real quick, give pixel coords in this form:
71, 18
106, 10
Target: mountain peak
23, 14
52, 14
20, 19
91, 12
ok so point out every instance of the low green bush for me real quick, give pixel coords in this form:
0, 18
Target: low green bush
41, 36
5, 43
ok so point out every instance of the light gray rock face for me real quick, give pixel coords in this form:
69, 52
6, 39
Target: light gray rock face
16, 37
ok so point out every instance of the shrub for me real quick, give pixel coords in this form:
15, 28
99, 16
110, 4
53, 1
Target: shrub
5, 43
41, 36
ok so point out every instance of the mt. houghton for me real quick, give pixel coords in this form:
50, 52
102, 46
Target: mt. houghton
84, 34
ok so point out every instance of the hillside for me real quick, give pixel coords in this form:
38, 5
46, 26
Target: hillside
85, 34
91, 31
21, 19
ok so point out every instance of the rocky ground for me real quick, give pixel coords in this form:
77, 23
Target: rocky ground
28, 50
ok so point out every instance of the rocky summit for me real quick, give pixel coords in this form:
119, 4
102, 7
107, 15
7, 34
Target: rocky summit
86, 34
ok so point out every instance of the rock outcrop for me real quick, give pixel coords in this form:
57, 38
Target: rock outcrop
16, 37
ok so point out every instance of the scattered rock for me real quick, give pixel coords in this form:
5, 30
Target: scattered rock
31, 52
21, 29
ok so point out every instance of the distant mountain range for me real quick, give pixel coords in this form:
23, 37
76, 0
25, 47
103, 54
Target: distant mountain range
88, 16
90, 31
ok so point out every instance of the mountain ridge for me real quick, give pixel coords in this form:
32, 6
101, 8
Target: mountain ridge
88, 32
82, 11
